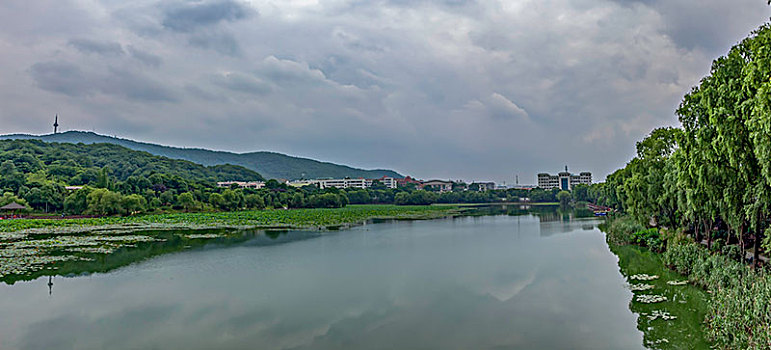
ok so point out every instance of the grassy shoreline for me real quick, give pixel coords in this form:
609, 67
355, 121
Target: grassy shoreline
739, 312
275, 218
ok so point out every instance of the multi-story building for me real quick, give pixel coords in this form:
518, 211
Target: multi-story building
407, 180
563, 180
483, 186
242, 184
441, 186
388, 182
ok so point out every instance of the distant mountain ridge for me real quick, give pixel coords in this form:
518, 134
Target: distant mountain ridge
270, 164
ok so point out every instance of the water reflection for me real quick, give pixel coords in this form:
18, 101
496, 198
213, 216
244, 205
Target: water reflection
686, 302
463, 283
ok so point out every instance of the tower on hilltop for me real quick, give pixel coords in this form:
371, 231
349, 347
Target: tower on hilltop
56, 123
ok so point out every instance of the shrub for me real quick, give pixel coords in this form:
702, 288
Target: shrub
649, 238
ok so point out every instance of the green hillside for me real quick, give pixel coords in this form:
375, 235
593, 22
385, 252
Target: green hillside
74, 164
269, 164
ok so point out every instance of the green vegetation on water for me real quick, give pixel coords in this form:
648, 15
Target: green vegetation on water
675, 321
738, 314
30, 248
295, 218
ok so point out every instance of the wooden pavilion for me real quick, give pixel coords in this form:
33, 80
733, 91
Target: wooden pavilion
13, 207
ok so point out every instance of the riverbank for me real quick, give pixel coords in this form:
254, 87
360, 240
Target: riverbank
739, 312
275, 218
31, 248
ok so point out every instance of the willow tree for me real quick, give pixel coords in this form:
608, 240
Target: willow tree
754, 54
672, 200
726, 120
645, 185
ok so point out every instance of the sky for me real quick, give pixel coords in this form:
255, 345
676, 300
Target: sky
450, 89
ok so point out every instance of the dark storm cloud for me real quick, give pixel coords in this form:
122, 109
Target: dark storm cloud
97, 47
189, 16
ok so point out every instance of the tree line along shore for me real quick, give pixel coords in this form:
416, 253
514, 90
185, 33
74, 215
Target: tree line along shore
700, 193
106, 180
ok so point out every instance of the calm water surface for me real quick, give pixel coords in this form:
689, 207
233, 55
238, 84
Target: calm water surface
489, 282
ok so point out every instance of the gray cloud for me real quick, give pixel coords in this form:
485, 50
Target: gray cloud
452, 89
136, 86
69, 79
223, 43
243, 83
189, 16
61, 77
97, 47
145, 57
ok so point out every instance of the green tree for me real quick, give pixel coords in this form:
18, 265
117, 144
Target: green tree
9, 197
297, 201
564, 198
133, 203
217, 201
254, 201
10, 177
77, 202
102, 201
187, 201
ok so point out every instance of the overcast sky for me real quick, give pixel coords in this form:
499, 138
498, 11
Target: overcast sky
473, 90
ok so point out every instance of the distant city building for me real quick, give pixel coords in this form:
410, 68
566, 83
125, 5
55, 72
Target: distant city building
242, 184
483, 186
388, 182
301, 183
442, 186
407, 180
564, 180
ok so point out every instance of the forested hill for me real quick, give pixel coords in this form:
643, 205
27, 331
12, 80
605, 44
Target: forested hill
269, 164
32, 161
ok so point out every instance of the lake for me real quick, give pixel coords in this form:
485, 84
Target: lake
482, 282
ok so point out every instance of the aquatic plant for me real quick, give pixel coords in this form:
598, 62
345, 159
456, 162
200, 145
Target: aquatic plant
677, 283
643, 277
202, 236
656, 314
649, 298
31, 246
640, 287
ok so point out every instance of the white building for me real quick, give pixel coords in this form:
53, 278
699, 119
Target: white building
442, 186
564, 180
483, 186
242, 184
388, 182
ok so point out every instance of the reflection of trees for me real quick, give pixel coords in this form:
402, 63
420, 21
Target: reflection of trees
688, 303
169, 242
